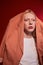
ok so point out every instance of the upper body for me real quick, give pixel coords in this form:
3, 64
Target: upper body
12, 46
30, 56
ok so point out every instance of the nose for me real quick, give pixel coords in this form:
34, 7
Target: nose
30, 23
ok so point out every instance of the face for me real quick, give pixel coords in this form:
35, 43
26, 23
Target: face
29, 22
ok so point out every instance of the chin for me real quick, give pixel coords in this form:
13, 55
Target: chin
30, 30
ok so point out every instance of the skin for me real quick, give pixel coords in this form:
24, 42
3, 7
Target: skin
29, 24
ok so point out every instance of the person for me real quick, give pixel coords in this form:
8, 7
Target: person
22, 43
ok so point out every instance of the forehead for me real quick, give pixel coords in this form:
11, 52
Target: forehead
29, 15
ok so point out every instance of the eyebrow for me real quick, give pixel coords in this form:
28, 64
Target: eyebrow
28, 18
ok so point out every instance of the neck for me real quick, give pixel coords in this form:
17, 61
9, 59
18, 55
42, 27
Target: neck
29, 35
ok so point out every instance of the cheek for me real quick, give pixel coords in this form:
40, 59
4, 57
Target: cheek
34, 25
25, 25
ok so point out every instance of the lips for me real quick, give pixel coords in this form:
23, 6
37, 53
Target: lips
30, 27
